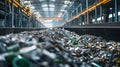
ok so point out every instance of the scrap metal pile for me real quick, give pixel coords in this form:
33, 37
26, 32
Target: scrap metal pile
57, 48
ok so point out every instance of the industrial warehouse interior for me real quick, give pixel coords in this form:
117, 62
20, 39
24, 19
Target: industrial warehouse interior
59, 33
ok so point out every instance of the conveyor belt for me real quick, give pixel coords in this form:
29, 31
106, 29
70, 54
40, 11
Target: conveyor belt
106, 33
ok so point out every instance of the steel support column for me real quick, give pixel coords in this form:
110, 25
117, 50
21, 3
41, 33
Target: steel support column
12, 14
87, 16
101, 14
19, 21
116, 10
5, 13
95, 15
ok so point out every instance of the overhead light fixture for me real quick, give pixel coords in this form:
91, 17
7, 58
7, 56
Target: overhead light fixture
32, 7
52, 9
66, 2
110, 15
64, 6
48, 21
62, 10
59, 15
26, 1
51, 5
45, 5
118, 13
45, 9
110, 8
98, 19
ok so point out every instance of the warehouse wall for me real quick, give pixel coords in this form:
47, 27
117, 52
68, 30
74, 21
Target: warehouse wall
4, 31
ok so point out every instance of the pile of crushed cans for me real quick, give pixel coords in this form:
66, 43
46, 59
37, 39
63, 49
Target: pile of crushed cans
57, 47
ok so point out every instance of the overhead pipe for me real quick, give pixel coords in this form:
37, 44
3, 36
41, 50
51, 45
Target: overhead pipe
89, 9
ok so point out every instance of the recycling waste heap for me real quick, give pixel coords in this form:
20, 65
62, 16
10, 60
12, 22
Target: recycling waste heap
57, 48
